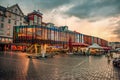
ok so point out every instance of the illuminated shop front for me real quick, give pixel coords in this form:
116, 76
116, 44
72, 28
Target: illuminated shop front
40, 35
53, 36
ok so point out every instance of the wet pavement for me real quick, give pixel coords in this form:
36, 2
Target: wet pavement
16, 66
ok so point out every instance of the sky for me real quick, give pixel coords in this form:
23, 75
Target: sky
99, 18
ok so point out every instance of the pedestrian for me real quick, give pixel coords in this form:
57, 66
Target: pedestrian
108, 57
111, 55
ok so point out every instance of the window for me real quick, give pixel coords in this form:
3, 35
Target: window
35, 19
6, 39
9, 40
8, 27
20, 23
39, 20
20, 18
31, 22
15, 10
9, 20
8, 33
39, 33
15, 16
15, 23
3, 39
8, 14
2, 19
2, 25
11, 10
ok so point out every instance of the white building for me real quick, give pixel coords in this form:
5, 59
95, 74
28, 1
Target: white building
9, 17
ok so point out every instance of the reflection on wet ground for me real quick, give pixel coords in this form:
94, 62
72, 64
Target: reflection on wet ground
16, 66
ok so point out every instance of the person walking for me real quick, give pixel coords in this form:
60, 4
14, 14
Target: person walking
108, 57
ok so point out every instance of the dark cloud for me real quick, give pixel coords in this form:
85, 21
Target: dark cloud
82, 8
50, 4
96, 8
42, 5
117, 30
36, 4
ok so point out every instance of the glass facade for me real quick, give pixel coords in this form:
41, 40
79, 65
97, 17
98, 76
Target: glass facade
50, 35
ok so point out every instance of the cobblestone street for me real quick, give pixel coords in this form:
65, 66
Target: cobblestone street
16, 66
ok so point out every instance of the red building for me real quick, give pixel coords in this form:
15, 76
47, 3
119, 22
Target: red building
35, 18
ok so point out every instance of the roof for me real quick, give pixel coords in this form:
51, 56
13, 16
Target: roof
2, 8
77, 32
36, 12
17, 6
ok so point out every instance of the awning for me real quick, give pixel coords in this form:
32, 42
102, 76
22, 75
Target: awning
19, 44
80, 44
95, 46
107, 48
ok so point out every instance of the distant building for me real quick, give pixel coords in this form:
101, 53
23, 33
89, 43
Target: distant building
9, 17
114, 45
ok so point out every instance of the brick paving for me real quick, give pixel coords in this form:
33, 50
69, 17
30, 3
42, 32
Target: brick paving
16, 66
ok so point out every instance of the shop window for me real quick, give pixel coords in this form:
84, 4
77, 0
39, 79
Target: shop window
6, 40
9, 40
3, 39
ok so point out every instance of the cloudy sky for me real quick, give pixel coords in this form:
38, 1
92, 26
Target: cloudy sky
100, 18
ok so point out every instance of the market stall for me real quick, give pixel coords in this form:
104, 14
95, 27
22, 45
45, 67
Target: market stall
95, 49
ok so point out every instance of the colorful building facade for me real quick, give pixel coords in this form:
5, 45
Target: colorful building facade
46, 33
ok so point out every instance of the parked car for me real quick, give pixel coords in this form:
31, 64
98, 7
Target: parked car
116, 62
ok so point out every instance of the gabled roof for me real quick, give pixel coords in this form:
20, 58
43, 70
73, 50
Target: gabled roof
16, 6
